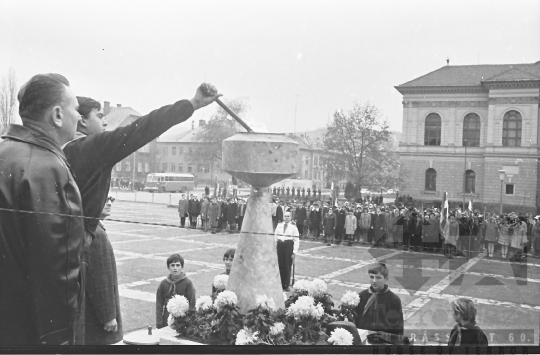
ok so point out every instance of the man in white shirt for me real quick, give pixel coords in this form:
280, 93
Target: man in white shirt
288, 241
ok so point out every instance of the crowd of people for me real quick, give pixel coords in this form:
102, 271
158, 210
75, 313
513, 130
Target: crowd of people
456, 233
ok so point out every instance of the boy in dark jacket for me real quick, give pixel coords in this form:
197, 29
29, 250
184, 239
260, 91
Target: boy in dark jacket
176, 283
379, 308
466, 332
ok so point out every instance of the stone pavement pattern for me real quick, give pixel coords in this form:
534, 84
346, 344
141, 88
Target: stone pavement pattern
508, 306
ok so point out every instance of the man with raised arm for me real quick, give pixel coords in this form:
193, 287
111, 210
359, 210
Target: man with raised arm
95, 152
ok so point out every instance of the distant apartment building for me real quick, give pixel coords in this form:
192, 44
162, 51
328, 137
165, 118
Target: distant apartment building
138, 165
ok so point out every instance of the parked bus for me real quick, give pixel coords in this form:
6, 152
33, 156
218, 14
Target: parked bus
169, 182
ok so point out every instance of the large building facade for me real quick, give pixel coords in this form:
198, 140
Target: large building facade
462, 125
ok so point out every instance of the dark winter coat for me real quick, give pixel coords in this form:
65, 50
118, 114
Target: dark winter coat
329, 223
385, 314
39, 253
301, 216
166, 291
214, 211
194, 207
103, 299
472, 336
231, 213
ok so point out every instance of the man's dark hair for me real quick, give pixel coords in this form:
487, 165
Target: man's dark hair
229, 253
86, 105
174, 258
40, 93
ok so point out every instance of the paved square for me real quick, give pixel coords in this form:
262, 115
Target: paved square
507, 293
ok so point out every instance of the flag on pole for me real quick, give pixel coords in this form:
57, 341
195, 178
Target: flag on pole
333, 195
470, 205
444, 206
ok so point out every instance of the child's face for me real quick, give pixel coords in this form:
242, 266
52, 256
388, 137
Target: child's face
377, 281
228, 262
175, 268
457, 317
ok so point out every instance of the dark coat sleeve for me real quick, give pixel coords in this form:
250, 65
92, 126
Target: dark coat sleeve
110, 147
160, 303
101, 280
52, 245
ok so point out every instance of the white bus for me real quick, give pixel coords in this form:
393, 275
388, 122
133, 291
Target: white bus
169, 182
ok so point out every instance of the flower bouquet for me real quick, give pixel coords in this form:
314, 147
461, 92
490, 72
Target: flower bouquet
349, 302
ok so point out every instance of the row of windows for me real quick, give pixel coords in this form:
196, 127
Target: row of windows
173, 167
127, 167
431, 181
511, 136
317, 161
174, 150
470, 182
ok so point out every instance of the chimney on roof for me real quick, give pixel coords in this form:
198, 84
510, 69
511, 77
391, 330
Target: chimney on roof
118, 105
202, 123
192, 125
106, 108
447, 61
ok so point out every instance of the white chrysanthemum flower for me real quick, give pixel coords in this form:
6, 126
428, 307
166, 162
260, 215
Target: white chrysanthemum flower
170, 320
225, 298
242, 338
178, 306
340, 336
266, 303
350, 298
304, 307
245, 337
317, 311
277, 328
204, 303
317, 287
220, 282
301, 285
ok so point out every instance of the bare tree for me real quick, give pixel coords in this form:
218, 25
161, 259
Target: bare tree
8, 99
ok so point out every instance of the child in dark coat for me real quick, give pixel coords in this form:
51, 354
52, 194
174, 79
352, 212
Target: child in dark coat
176, 283
379, 308
466, 332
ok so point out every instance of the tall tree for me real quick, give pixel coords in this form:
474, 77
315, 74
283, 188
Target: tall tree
359, 142
8, 99
220, 127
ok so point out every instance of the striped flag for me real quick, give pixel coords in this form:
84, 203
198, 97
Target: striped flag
444, 206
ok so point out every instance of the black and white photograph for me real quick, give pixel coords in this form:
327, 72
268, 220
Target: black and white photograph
344, 176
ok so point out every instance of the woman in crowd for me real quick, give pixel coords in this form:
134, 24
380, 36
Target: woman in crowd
505, 237
491, 235
451, 235
364, 224
519, 240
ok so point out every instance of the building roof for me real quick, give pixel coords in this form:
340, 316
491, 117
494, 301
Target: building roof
475, 75
121, 116
181, 137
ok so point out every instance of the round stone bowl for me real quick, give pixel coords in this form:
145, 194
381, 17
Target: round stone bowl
260, 159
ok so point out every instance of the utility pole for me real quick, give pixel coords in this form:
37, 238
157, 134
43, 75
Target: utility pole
133, 172
465, 175
295, 106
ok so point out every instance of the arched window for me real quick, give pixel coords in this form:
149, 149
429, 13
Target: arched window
471, 130
512, 129
470, 181
432, 135
431, 180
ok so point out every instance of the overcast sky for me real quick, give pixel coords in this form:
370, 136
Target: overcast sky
319, 56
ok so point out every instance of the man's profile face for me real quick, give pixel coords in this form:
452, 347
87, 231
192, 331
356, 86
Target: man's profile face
95, 123
70, 115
